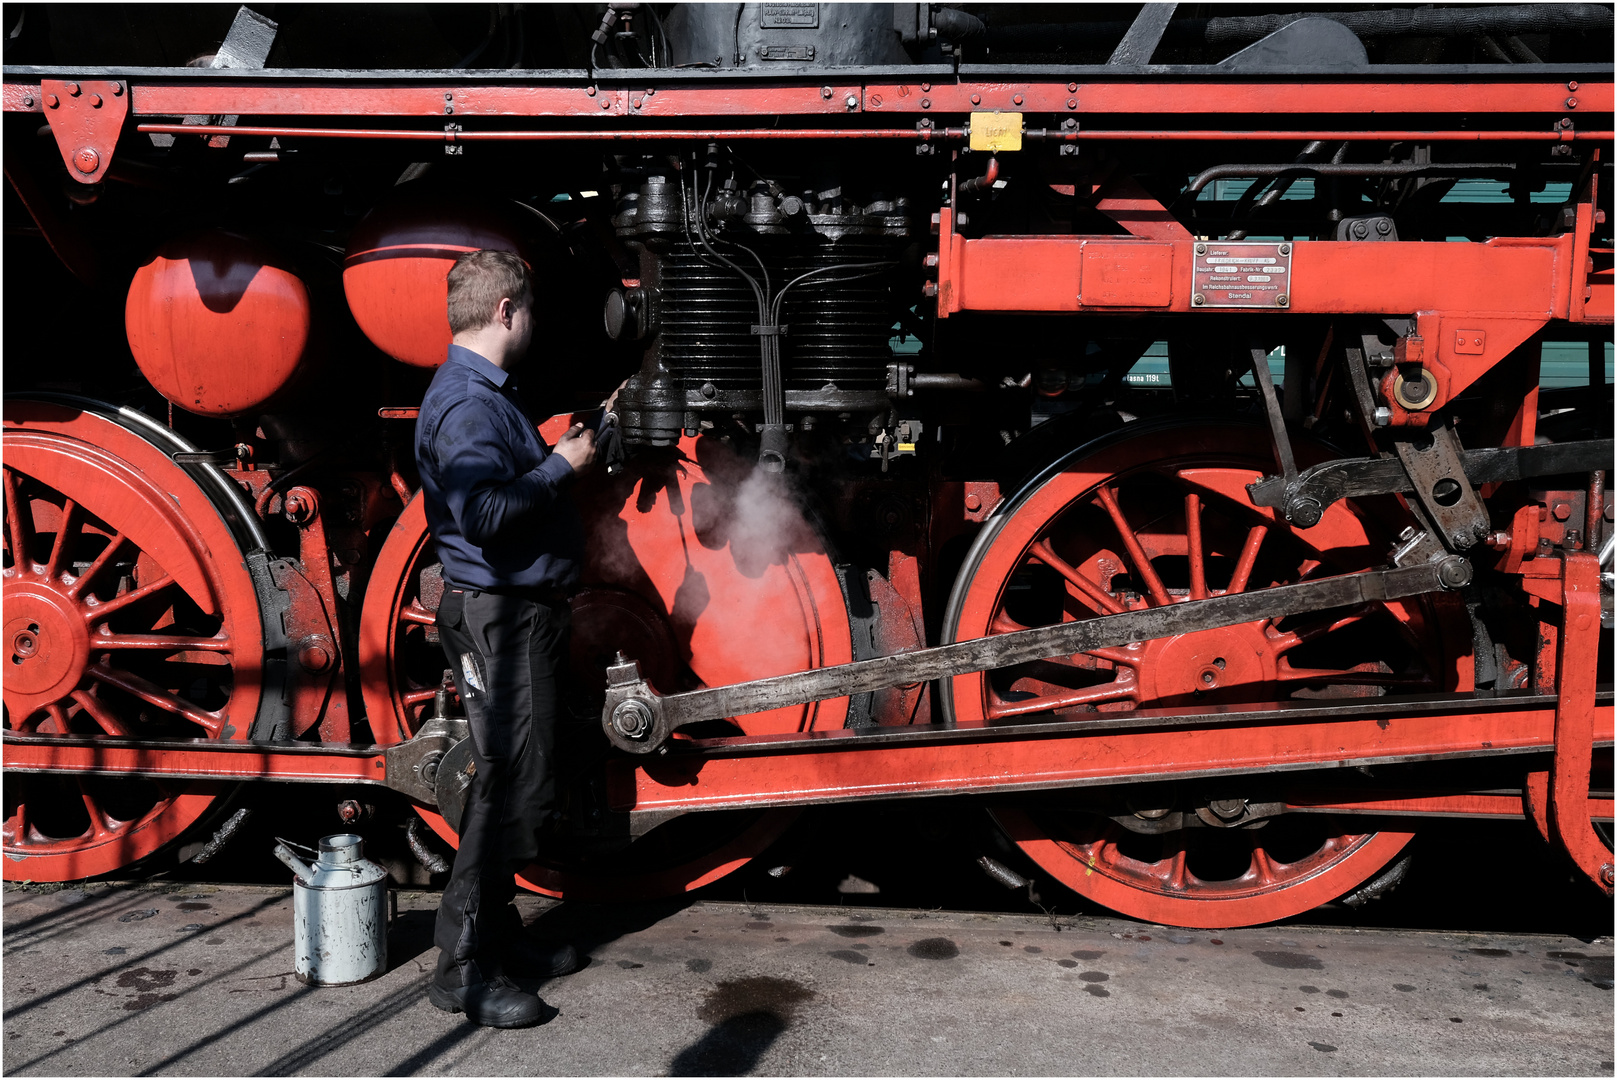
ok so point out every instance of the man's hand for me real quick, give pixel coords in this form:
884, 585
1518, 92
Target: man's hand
577, 447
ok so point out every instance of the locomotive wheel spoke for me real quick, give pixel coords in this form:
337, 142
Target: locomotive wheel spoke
95, 612
1195, 554
1131, 544
160, 642
1249, 556
413, 698
1263, 868
1102, 602
153, 694
1314, 629
1115, 690
67, 533
100, 826
91, 572
418, 616
58, 717
16, 826
99, 713
19, 525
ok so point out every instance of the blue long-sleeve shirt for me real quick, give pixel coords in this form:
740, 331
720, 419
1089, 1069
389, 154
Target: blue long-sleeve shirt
494, 492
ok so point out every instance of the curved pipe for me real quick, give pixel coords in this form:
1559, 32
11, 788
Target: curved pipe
979, 184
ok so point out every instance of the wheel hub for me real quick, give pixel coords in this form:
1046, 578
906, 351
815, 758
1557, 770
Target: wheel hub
48, 646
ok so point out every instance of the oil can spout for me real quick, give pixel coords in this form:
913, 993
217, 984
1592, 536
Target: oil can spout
303, 870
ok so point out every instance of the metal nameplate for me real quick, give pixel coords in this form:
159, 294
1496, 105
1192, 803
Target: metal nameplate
786, 52
790, 17
1242, 275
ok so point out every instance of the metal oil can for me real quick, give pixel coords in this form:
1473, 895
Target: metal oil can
339, 913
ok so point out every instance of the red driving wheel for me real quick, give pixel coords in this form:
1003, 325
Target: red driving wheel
1158, 516
695, 571
128, 612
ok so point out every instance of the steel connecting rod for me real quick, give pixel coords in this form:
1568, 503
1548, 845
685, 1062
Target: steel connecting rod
639, 720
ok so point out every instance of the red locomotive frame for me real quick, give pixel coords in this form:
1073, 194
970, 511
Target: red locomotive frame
1470, 306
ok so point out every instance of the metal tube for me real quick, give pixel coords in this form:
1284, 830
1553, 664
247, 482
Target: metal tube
922, 134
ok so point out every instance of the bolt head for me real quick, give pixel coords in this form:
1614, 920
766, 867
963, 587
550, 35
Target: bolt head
117, 89
74, 89
1606, 875
825, 92
1383, 226
86, 160
1198, 300
632, 719
926, 88
1455, 573
1382, 416
851, 102
926, 103
28, 100
976, 99
95, 101
1305, 512
1201, 249
1285, 249
1071, 103
1572, 103
52, 101
1016, 99
589, 91
1282, 300
1072, 88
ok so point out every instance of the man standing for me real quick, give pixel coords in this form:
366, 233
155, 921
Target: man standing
511, 543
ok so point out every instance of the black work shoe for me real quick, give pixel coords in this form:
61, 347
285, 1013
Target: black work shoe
495, 1003
538, 960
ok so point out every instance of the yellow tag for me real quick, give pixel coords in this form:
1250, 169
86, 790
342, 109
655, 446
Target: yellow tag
906, 448
995, 131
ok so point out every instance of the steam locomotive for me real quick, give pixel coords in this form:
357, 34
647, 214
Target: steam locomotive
1185, 428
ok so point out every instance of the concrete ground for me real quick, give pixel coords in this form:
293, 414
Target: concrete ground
197, 980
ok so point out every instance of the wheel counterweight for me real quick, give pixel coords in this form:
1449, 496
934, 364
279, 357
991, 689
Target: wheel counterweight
128, 613
1159, 516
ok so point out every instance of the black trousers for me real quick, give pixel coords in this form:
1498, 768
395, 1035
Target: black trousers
506, 653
